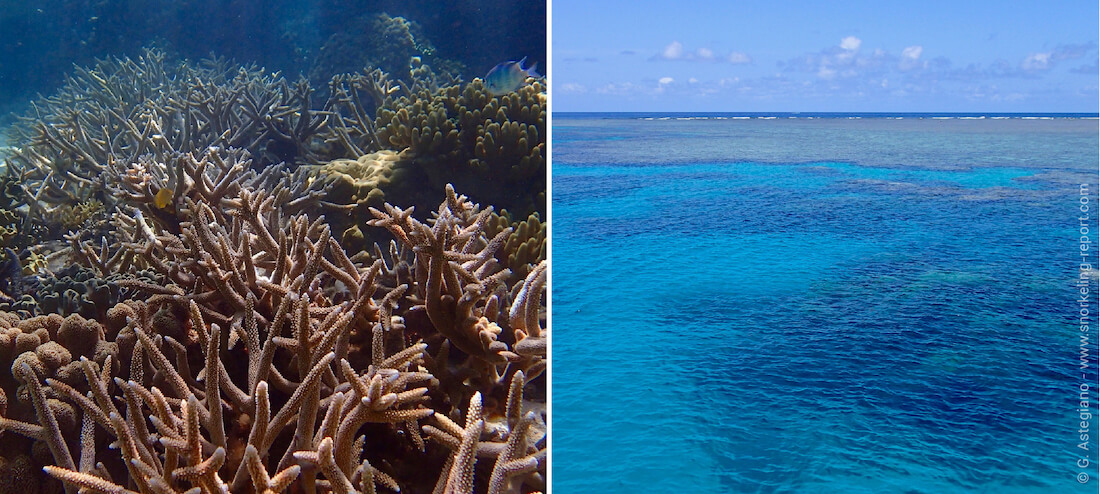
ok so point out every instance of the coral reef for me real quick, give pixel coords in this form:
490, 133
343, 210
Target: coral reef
525, 247
269, 359
123, 115
75, 290
208, 286
378, 41
125, 110
464, 135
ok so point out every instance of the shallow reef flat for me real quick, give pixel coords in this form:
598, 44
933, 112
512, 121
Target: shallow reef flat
217, 279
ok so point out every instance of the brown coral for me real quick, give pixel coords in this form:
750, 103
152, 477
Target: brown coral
287, 352
272, 356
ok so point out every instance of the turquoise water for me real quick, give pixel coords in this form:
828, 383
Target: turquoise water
820, 306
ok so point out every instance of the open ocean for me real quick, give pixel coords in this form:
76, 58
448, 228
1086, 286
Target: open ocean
780, 303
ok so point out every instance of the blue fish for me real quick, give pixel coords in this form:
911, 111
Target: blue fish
508, 76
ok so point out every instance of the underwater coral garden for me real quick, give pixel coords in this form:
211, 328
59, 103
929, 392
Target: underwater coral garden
221, 280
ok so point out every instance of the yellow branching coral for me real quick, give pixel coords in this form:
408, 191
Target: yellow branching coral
525, 246
507, 132
73, 216
423, 125
465, 136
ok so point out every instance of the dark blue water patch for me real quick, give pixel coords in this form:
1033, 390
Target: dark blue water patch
706, 199
909, 377
762, 209
573, 189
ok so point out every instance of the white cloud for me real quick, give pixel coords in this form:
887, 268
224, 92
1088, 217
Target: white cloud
851, 43
693, 80
910, 58
1047, 60
738, 58
665, 80
571, 87
674, 51
1037, 61
617, 88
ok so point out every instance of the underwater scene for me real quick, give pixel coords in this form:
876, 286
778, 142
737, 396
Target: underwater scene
273, 247
824, 303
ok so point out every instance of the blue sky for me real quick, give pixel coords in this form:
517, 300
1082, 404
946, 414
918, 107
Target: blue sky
928, 55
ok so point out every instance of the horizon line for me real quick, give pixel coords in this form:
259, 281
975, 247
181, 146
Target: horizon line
843, 112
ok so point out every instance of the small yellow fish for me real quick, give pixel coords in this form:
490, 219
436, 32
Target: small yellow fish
163, 198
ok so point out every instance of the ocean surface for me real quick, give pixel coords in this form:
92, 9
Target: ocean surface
856, 303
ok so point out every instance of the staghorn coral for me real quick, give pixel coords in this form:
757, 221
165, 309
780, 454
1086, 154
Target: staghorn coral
253, 345
517, 452
270, 359
139, 120
127, 110
461, 291
356, 98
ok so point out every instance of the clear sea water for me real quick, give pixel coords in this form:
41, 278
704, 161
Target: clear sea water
821, 304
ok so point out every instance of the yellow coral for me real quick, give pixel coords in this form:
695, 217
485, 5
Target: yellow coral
493, 147
35, 263
360, 180
73, 216
525, 246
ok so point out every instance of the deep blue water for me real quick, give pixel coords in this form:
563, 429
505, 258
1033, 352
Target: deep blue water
821, 305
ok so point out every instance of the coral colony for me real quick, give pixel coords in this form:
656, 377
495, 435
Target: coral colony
213, 285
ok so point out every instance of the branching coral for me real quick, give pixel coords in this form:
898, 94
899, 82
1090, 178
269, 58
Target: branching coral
464, 294
507, 439
466, 136
227, 336
125, 111
525, 246
270, 360
456, 273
